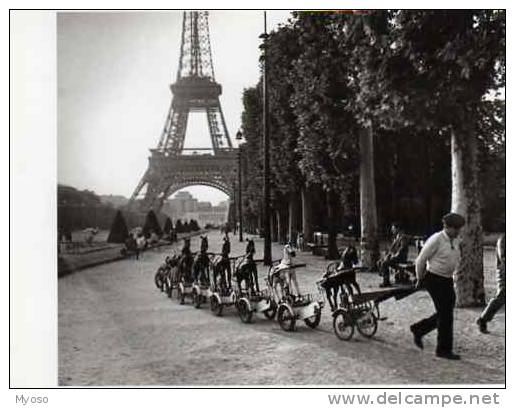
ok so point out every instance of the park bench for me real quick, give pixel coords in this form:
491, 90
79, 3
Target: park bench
403, 273
317, 247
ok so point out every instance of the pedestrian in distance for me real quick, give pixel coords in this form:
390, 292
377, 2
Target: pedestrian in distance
141, 244
499, 300
435, 267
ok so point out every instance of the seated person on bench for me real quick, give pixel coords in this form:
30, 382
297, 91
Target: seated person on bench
398, 253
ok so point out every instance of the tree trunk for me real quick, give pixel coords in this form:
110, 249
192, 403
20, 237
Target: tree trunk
260, 225
280, 226
469, 282
307, 215
393, 190
293, 216
273, 226
284, 225
332, 249
369, 242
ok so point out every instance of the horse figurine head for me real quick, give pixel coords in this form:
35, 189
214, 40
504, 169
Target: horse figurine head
288, 253
226, 246
250, 249
349, 257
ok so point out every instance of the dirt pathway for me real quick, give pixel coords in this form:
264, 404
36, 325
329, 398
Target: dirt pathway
116, 328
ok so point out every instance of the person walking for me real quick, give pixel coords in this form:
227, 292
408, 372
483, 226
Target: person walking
499, 300
435, 267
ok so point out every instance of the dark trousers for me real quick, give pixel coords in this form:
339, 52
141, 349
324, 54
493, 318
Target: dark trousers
441, 291
494, 305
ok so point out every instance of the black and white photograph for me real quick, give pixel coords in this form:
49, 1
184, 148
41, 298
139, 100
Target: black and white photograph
280, 198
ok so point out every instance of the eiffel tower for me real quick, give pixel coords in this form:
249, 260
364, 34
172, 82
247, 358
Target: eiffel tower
171, 167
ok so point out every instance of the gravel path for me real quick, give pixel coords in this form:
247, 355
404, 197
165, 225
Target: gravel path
116, 328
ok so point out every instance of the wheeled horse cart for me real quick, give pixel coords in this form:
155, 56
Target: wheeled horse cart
184, 290
361, 311
166, 276
222, 295
250, 303
306, 307
251, 300
201, 293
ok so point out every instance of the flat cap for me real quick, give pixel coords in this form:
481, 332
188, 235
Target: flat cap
453, 220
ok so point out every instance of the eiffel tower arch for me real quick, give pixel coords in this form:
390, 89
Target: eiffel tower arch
170, 165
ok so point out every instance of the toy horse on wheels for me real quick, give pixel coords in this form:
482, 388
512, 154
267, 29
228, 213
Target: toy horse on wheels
251, 300
201, 287
292, 307
185, 272
222, 294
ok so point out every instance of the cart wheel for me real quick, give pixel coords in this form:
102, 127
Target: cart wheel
342, 325
157, 280
196, 299
286, 318
314, 321
216, 306
244, 310
367, 324
180, 295
270, 313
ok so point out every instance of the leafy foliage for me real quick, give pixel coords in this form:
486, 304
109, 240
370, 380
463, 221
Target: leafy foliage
413, 74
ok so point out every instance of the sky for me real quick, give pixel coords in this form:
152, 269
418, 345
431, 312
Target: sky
114, 72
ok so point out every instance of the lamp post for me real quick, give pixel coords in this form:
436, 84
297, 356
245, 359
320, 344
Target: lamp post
239, 139
267, 250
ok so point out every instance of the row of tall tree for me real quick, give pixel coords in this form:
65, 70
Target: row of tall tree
382, 116
78, 209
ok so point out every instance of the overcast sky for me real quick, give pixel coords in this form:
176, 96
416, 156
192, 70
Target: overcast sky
114, 71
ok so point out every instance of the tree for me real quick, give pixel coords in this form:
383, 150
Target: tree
194, 225
322, 102
152, 224
363, 40
119, 232
492, 164
252, 153
282, 51
443, 64
179, 227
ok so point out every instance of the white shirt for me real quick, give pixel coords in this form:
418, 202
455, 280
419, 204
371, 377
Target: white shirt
440, 256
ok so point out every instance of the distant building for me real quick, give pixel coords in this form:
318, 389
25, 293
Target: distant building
185, 207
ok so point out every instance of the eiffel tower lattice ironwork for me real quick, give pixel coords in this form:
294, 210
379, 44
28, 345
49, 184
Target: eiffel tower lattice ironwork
170, 168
